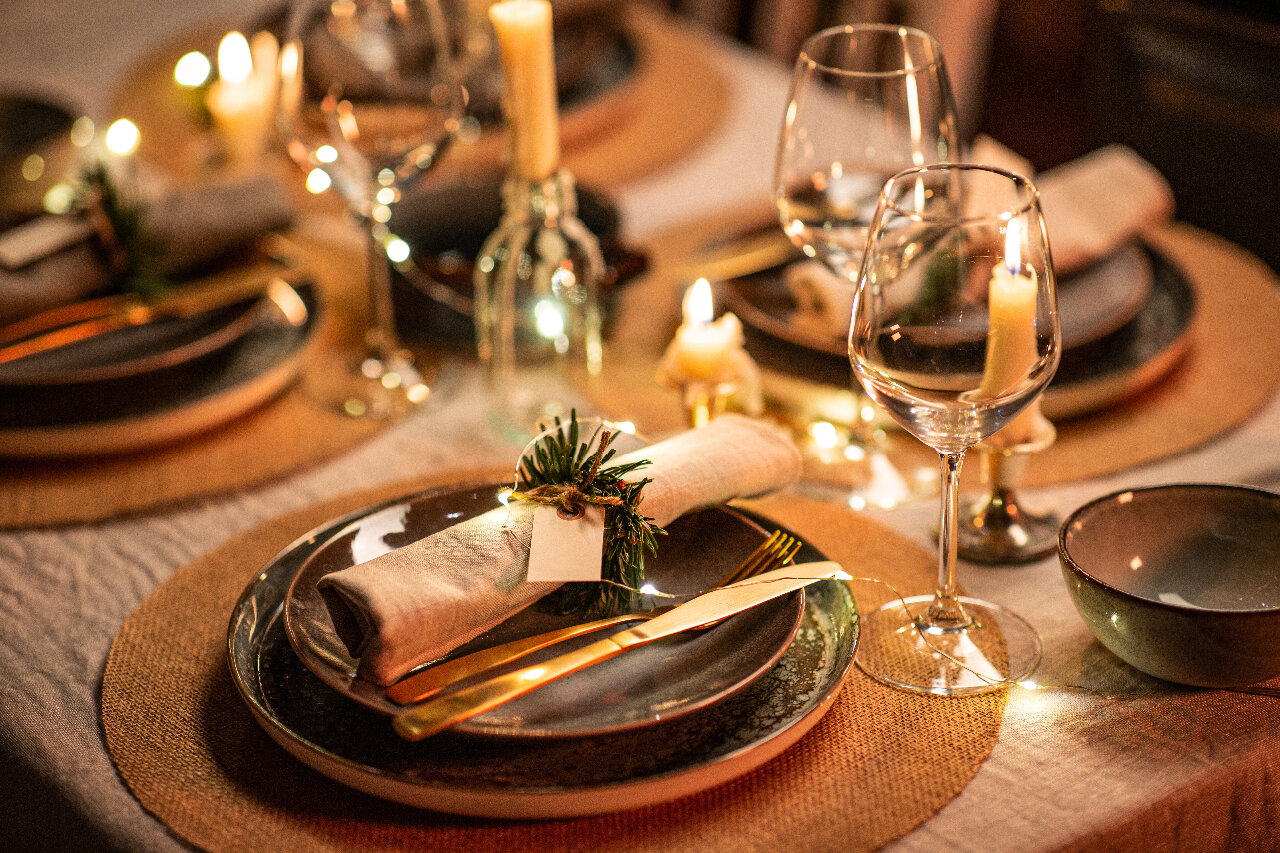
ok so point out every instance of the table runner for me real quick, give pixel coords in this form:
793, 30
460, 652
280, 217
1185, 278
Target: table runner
1232, 367
292, 432
880, 763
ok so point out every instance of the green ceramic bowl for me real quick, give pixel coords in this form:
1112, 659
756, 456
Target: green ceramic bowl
1181, 581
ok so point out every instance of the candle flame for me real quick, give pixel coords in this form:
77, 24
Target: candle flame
235, 60
1013, 247
699, 310
122, 137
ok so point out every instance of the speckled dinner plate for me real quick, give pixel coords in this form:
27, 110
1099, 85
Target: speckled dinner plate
649, 685
536, 777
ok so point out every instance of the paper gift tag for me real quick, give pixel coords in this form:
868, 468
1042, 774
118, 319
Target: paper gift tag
563, 549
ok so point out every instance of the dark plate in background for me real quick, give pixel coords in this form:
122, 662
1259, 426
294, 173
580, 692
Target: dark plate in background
445, 227
141, 410
1092, 375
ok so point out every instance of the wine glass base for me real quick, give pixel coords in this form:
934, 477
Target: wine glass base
996, 648
1007, 534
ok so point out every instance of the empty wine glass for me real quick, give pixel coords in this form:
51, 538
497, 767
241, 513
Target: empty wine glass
369, 100
867, 101
955, 331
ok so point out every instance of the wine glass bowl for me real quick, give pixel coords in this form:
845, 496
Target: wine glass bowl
866, 101
369, 100
954, 333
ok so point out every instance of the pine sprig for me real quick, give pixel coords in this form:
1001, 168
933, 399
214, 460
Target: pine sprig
560, 459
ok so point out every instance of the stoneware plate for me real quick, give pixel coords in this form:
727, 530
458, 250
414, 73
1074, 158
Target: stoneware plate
652, 684
536, 778
140, 349
139, 410
1093, 374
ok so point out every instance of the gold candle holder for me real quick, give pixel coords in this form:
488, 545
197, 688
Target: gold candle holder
704, 401
999, 528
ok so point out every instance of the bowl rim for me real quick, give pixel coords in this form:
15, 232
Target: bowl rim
1069, 562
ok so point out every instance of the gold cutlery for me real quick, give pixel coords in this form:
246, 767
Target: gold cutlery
440, 713
82, 320
778, 550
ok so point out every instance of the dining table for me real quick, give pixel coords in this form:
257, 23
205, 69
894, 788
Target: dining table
1093, 756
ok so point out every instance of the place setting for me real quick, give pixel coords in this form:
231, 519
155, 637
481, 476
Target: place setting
717, 632
674, 577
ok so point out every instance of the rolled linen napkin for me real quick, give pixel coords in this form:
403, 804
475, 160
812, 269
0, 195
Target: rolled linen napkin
1092, 206
1095, 204
824, 300
187, 227
419, 602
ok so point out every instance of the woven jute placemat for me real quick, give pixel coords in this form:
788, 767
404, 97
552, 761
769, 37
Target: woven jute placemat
880, 763
670, 101
1231, 367
295, 430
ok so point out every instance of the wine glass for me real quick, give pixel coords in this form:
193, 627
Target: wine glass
369, 100
867, 100
955, 331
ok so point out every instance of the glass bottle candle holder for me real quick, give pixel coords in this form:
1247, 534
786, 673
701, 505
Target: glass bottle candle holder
999, 528
537, 311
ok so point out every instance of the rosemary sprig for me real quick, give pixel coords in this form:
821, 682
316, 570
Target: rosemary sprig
562, 469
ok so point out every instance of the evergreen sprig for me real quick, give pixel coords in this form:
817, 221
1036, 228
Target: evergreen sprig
560, 459
132, 259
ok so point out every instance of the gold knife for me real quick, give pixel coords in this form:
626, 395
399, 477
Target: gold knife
78, 321
707, 609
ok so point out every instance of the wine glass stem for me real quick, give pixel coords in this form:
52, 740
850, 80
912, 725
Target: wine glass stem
381, 339
945, 612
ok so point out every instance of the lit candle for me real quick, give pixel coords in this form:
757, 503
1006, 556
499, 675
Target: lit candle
1011, 340
242, 101
705, 348
523, 30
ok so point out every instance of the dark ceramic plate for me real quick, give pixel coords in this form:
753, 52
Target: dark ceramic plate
142, 409
593, 55
652, 684
445, 227
1092, 303
152, 346
537, 778
1092, 375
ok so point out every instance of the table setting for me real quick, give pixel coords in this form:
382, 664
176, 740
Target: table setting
536, 424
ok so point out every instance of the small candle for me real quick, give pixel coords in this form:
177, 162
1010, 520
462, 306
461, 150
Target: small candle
1011, 340
705, 348
525, 46
242, 101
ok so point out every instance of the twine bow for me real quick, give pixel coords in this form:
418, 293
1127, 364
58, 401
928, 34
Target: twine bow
568, 498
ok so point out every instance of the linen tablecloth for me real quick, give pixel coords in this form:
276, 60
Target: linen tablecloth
1168, 769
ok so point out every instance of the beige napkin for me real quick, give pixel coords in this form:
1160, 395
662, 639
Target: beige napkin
187, 227
1092, 206
1097, 203
417, 603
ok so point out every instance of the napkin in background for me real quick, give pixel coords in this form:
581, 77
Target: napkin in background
187, 227
419, 602
1093, 206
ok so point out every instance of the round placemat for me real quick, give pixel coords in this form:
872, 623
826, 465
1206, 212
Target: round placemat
293, 431
673, 99
1230, 369
880, 763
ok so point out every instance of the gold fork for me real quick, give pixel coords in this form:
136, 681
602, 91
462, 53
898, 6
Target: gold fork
776, 551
